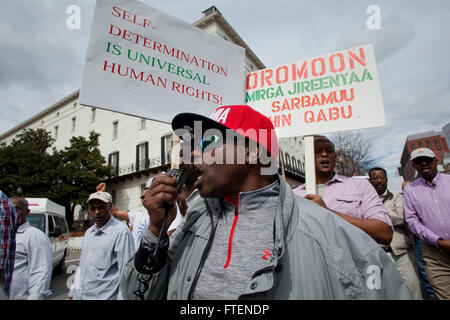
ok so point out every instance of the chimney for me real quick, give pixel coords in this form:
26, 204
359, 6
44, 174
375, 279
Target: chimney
210, 11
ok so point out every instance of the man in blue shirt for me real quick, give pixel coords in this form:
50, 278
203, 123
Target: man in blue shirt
33, 264
106, 248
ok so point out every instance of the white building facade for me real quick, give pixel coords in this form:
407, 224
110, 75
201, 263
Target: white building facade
137, 148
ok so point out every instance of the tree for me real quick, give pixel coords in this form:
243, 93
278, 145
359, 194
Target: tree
80, 168
353, 153
25, 164
67, 176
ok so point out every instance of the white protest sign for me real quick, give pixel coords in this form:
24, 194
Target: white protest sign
334, 92
143, 62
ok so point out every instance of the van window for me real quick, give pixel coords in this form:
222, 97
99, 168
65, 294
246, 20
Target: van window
51, 226
37, 221
60, 222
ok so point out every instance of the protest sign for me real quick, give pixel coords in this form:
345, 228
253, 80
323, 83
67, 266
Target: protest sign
334, 92
330, 93
143, 62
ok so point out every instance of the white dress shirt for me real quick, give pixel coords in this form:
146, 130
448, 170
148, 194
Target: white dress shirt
32, 266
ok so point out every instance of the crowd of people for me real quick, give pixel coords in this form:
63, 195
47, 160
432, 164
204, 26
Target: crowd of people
236, 232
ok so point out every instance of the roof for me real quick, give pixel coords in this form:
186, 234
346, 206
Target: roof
213, 15
423, 135
38, 205
71, 97
36, 117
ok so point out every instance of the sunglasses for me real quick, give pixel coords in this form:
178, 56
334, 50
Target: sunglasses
422, 159
141, 197
210, 142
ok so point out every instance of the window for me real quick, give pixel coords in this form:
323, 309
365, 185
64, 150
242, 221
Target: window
74, 122
437, 143
413, 146
61, 223
429, 144
143, 124
56, 132
166, 149
113, 161
420, 144
37, 221
51, 226
93, 115
115, 129
142, 161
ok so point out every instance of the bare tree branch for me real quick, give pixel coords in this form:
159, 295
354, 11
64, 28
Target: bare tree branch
353, 153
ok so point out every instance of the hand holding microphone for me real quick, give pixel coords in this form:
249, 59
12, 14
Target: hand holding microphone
161, 198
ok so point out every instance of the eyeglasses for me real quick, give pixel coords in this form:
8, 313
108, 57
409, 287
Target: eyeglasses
210, 142
422, 159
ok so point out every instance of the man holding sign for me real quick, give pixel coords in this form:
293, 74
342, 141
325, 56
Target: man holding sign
355, 200
248, 236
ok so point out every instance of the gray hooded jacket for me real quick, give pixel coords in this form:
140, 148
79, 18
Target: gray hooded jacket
317, 255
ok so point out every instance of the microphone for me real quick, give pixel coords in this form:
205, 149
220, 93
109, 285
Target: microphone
181, 180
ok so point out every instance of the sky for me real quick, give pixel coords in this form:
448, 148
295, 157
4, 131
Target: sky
42, 60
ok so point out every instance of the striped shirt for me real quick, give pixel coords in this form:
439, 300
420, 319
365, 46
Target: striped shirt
9, 222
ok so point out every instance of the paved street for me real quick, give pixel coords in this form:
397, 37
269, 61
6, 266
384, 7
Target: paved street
60, 284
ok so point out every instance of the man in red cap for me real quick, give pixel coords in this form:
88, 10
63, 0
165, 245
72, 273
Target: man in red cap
248, 236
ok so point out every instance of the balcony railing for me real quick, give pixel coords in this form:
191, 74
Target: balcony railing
142, 165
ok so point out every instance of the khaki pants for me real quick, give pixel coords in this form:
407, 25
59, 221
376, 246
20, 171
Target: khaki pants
406, 266
438, 270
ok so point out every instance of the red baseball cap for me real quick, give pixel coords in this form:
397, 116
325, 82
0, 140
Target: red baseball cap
240, 118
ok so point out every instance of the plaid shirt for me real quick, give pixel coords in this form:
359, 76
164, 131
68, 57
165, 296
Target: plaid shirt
9, 222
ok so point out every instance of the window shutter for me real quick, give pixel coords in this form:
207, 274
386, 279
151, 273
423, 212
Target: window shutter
147, 164
137, 158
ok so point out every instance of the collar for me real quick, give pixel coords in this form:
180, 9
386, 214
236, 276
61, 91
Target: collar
106, 228
387, 195
250, 200
193, 194
436, 180
23, 227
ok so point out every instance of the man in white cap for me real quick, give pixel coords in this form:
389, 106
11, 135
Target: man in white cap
106, 248
137, 220
427, 212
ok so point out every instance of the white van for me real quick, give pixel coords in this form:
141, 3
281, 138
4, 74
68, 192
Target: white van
50, 218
